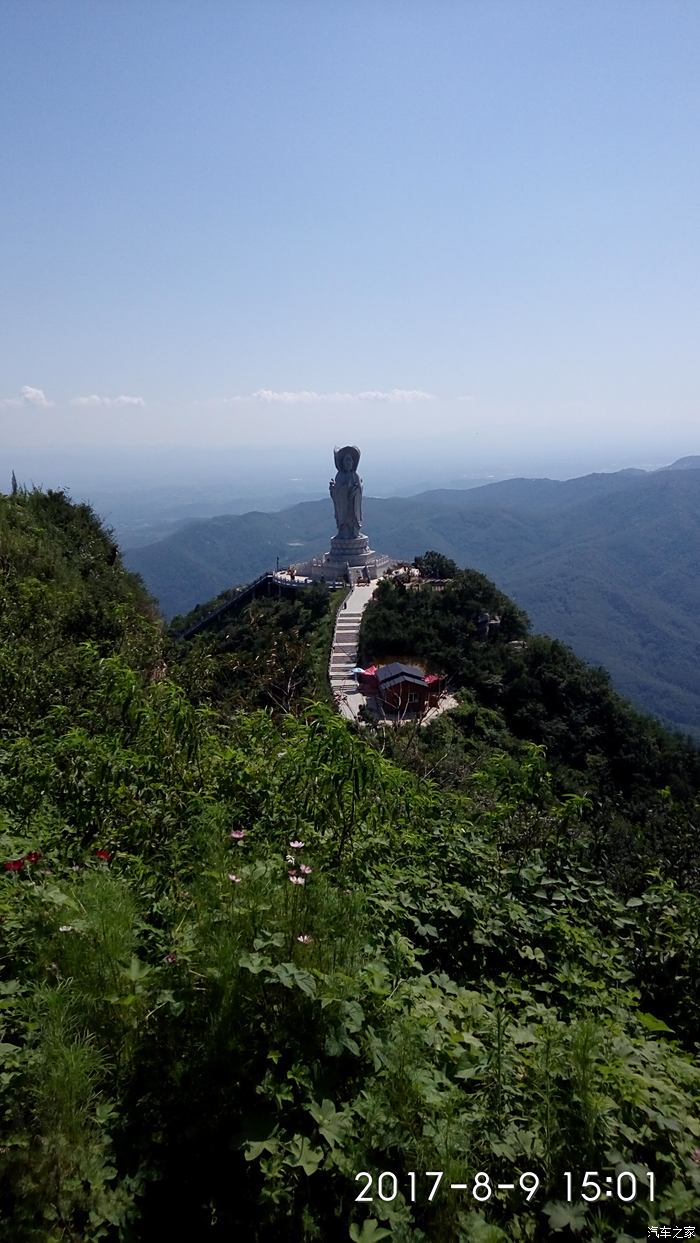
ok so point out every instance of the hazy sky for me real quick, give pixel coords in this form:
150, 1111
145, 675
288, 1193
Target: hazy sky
240, 223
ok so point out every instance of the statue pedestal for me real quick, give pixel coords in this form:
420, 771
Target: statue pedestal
354, 555
352, 552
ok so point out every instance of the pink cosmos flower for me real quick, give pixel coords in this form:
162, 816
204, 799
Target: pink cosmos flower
305, 939
237, 834
296, 845
304, 867
170, 959
104, 855
297, 880
13, 865
236, 880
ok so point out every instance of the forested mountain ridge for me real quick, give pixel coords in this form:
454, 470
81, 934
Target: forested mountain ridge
245, 955
243, 545
607, 563
515, 688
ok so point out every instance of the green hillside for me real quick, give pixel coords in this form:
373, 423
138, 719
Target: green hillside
273, 654
248, 953
606, 563
520, 688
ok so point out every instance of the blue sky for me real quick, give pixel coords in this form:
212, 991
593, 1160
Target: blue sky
233, 224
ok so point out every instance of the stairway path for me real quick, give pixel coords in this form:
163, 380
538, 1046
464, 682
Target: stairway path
344, 650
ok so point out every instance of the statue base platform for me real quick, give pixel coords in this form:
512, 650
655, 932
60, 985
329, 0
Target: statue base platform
354, 552
353, 556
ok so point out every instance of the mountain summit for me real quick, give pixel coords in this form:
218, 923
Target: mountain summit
605, 562
685, 463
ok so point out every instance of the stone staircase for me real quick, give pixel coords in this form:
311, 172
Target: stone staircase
344, 651
345, 641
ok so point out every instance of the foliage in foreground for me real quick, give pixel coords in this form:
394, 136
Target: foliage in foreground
208, 1028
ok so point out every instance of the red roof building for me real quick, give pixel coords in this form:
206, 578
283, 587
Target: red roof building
404, 688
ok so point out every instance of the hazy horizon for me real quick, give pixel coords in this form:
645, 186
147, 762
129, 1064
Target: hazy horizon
144, 496
123, 468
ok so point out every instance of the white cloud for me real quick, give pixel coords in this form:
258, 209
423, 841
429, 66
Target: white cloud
397, 394
309, 397
28, 396
94, 400
33, 396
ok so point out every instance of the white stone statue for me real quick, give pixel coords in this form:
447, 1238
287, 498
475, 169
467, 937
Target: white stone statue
346, 492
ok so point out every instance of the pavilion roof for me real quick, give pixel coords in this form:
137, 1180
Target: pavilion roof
396, 672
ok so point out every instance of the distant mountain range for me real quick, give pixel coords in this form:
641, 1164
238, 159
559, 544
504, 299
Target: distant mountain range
608, 563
